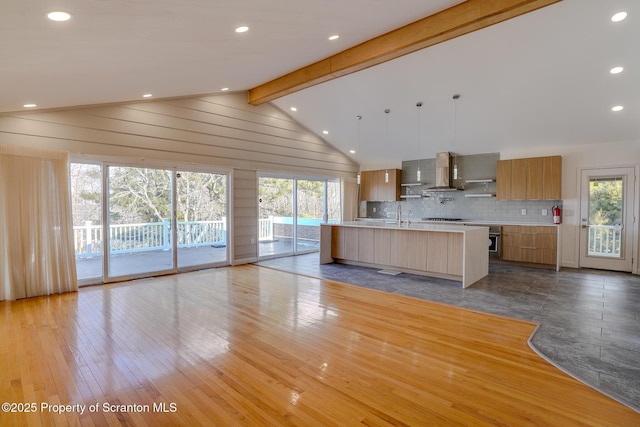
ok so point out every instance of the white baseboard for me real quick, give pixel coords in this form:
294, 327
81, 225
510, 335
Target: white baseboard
244, 261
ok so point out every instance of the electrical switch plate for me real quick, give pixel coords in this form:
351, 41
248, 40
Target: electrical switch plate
375, 210
523, 211
544, 212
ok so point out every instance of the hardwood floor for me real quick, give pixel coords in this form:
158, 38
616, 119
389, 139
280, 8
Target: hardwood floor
253, 346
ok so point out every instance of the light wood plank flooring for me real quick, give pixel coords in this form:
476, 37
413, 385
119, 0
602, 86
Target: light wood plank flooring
253, 346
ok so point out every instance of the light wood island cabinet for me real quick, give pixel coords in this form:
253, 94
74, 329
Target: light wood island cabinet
447, 251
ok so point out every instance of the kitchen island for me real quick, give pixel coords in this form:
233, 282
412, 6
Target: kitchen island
456, 252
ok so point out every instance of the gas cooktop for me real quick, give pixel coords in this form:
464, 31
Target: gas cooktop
442, 219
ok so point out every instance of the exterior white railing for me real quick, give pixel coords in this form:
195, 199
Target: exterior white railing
604, 240
265, 229
141, 237
147, 236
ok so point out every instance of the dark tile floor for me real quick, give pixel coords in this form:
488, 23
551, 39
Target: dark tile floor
589, 319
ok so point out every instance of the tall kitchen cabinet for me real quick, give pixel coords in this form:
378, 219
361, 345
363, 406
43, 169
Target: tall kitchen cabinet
380, 185
535, 178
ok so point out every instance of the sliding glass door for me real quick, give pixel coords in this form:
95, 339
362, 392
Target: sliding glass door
157, 221
275, 222
291, 211
310, 211
201, 218
139, 220
86, 202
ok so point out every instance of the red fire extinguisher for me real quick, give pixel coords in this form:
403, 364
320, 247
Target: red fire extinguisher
556, 214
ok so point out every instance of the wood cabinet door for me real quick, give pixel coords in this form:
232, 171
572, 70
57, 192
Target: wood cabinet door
351, 249
535, 178
382, 250
437, 252
367, 185
518, 179
417, 256
552, 178
337, 242
399, 253
394, 189
455, 254
503, 180
366, 245
381, 187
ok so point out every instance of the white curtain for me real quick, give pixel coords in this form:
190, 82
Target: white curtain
36, 227
349, 199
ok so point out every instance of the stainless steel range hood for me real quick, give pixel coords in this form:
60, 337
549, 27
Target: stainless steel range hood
443, 173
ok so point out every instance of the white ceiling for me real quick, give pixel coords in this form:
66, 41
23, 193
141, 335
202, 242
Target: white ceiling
538, 80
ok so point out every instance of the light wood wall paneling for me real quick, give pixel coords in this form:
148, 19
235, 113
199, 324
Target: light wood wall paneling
177, 130
245, 217
165, 117
177, 142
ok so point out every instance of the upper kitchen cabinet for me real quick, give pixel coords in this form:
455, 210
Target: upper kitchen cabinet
380, 186
536, 178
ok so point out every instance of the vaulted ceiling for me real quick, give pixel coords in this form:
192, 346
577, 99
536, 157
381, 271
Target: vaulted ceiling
540, 79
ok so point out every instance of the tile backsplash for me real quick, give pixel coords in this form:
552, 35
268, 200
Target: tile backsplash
456, 205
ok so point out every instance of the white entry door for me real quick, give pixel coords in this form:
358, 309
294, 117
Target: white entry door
607, 218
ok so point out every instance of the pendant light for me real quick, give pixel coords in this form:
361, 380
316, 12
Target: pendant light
386, 172
455, 133
358, 118
418, 173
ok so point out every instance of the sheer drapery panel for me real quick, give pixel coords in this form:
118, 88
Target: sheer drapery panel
36, 226
349, 199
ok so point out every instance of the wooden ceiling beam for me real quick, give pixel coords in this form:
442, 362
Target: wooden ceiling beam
463, 18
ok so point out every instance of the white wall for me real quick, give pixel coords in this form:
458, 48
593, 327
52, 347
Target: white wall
221, 131
575, 158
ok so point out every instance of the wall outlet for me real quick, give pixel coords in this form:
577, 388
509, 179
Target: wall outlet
253, 240
544, 212
523, 212
375, 210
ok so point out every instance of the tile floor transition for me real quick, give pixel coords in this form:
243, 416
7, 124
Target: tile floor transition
589, 319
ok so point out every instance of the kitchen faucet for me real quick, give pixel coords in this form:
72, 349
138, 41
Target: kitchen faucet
399, 214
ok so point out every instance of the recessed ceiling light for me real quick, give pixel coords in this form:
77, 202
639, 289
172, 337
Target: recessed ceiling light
147, 95
352, 151
620, 16
242, 29
326, 132
617, 108
334, 37
59, 16
294, 109
616, 70
29, 105
224, 89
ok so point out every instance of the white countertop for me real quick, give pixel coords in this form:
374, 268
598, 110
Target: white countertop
478, 222
418, 226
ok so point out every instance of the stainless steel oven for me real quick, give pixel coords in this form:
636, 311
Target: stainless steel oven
494, 242
494, 239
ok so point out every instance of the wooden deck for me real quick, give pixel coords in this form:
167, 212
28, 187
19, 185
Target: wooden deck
253, 346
